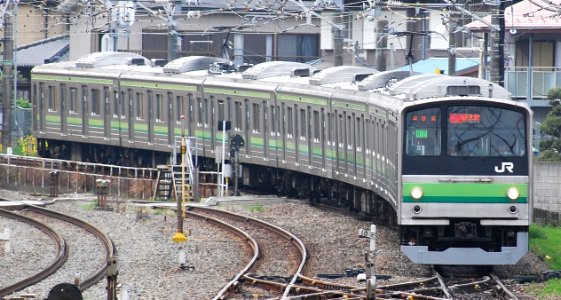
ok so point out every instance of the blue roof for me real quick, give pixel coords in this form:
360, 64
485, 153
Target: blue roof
429, 65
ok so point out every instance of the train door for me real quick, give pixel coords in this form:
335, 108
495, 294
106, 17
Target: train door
171, 118
360, 147
339, 149
85, 110
283, 131
247, 114
107, 112
189, 109
150, 118
264, 115
38, 108
321, 137
308, 136
131, 114
273, 141
63, 109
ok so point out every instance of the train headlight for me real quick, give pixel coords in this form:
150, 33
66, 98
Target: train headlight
513, 193
417, 193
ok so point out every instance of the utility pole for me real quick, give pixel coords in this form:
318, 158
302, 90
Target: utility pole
7, 65
497, 72
337, 46
381, 45
451, 44
172, 31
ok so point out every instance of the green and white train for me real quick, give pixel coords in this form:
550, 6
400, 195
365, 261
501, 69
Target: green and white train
448, 159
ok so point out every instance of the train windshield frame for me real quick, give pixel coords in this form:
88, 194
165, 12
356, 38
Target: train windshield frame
485, 131
469, 131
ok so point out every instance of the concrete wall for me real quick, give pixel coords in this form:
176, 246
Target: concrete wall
547, 186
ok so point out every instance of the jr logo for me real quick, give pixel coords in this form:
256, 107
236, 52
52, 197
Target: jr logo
505, 166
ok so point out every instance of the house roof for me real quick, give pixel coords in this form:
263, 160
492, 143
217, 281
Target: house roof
429, 65
535, 15
50, 49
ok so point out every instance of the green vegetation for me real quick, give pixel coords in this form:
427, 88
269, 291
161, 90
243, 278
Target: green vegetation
550, 144
23, 103
89, 206
545, 241
548, 290
255, 208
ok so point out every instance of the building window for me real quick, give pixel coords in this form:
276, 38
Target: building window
298, 47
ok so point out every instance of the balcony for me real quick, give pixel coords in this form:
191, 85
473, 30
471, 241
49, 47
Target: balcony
542, 79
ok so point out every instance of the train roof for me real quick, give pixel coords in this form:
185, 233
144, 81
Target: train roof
354, 83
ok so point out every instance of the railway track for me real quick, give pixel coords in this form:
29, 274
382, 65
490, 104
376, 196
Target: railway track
68, 240
282, 257
60, 257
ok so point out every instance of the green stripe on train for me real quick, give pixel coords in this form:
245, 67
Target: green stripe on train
465, 192
157, 85
72, 79
303, 99
338, 104
237, 93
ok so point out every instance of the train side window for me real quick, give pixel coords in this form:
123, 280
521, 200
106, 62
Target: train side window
221, 111
159, 108
179, 108
73, 105
340, 130
273, 120
139, 106
289, 122
256, 118
123, 104
199, 112
116, 104
205, 112
349, 133
303, 124
95, 102
316, 120
106, 99
52, 98
423, 132
239, 115
359, 133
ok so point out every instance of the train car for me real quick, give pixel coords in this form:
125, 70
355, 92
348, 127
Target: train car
447, 159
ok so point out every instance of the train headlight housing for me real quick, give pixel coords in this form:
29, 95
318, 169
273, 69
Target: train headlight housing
416, 193
513, 193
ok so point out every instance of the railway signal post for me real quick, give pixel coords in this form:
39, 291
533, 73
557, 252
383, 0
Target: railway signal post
179, 236
369, 262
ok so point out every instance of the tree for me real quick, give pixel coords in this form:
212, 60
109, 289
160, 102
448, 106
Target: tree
550, 145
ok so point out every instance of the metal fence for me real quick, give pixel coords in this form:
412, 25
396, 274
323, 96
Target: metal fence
53, 177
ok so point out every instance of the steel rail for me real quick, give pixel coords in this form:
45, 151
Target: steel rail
236, 281
287, 235
60, 258
508, 293
108, 245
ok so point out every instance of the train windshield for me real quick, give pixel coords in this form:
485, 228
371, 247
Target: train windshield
485, 132
423, 132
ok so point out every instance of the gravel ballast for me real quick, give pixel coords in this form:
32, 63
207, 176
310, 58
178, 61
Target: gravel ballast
148, 259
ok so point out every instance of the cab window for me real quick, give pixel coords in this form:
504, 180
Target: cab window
423, 132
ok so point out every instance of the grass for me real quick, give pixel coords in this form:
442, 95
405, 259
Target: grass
89, 206
255, 208
545, 241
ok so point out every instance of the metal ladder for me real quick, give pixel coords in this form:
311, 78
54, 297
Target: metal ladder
177, 172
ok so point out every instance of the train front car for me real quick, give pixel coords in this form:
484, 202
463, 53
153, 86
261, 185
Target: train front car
466, 181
